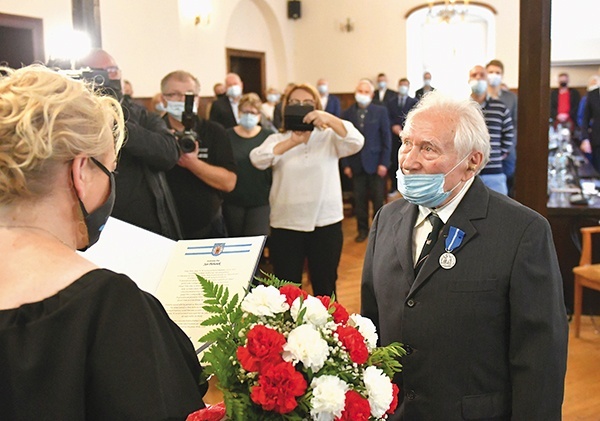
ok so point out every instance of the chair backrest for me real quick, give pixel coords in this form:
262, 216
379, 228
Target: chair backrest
586, 244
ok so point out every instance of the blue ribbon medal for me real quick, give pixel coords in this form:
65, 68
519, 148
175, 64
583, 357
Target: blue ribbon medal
453, 241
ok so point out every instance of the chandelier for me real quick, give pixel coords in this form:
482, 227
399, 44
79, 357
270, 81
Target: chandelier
448, 10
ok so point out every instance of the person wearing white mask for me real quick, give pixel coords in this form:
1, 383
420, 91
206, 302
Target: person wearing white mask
368, 168
204, 173
246, 208
426, 86
329, 102
495, 73
224, 110
500, 126
268, 108
398, 109
382, 94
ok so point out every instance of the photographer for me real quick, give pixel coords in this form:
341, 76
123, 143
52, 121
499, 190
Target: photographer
204, 173
306, 195
143, 196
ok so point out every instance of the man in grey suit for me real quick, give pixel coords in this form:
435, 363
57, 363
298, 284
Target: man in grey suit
480, 311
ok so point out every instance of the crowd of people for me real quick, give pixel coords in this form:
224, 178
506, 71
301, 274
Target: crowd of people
482, 341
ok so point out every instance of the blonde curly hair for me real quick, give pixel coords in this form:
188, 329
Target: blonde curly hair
46, 120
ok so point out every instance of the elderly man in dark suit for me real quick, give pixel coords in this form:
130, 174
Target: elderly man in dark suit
479, 308
368, 168
224, 109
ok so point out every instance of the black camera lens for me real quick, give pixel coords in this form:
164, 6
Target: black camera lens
187, 143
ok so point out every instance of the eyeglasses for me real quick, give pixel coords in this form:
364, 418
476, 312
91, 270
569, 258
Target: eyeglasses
113, 71
178, 96
294, 101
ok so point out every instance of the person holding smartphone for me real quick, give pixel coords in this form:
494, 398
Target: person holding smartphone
306, 194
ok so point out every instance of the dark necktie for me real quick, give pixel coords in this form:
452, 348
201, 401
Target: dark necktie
437, 224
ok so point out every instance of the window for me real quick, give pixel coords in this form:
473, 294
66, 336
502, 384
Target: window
449, 48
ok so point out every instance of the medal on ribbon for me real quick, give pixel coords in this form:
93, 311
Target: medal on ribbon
453, 241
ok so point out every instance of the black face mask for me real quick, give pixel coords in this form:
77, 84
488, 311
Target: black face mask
563, 84
96, 220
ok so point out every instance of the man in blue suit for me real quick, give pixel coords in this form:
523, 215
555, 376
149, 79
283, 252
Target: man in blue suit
368, 168
331, 103
398, 108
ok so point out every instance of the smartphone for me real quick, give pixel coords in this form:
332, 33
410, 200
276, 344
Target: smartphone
293, 116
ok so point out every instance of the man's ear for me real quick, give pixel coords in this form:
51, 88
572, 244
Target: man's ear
474, 162
79, 175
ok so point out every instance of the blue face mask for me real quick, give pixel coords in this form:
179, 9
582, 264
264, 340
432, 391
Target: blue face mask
425, 189
249, 121
176, 109
478, 87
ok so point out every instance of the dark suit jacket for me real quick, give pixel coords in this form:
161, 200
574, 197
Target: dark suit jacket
420, 92
488, 337
334, 105
398, 114
387, 96
574, 100
222, 113
376, 130
590, 129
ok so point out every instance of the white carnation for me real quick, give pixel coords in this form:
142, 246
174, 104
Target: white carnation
306, 345
379, 391
366, 328
329, 398
264, 301
316, 313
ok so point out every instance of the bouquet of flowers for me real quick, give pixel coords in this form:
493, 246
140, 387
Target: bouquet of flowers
281, 354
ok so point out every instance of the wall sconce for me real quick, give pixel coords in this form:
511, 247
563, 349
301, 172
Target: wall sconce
203, 19
348, 26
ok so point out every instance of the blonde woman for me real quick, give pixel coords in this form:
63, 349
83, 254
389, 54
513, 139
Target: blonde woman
76, 341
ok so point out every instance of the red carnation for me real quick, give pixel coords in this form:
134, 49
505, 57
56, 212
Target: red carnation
263, 347
356, 408
354, 342
210, 413
394, 404
340, 314
278, 386
292, 292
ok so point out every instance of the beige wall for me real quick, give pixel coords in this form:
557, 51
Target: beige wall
149, 38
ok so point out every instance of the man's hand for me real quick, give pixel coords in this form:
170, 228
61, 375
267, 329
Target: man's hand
348, 172
382, 171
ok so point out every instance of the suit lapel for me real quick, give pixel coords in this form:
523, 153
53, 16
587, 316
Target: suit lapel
403, 228
473, 206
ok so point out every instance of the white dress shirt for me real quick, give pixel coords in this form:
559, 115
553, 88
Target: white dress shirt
306, 190
422, 225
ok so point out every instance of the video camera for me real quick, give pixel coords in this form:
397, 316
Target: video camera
98, 78
187, 138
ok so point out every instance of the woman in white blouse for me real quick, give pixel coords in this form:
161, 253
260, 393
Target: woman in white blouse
306, 195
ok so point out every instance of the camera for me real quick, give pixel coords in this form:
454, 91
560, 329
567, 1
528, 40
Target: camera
186, 139
98, 78
293, 116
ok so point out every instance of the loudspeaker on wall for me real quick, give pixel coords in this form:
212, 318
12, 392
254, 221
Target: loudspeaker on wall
294, 9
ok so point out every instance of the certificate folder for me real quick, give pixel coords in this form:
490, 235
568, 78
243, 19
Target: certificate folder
167, 269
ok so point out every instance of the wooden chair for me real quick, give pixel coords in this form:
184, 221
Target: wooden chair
586, 274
